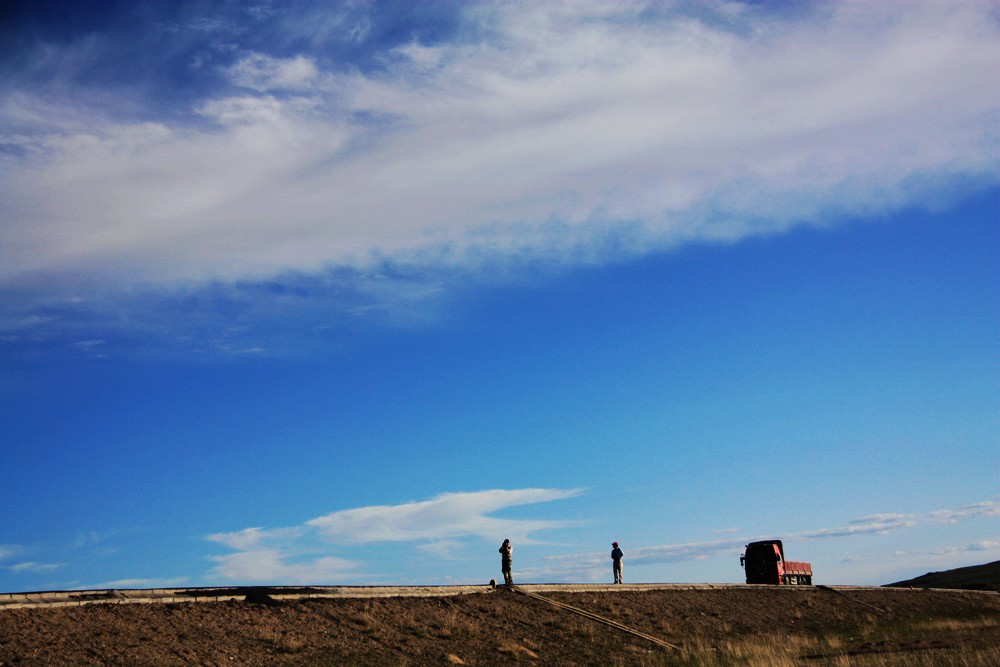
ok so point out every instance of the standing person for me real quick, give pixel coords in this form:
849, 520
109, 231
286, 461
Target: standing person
506, 555
616, 562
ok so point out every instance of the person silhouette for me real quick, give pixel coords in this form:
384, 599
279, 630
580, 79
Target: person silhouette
506, 556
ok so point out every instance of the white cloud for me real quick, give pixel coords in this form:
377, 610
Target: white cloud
975, 547
272, 566
436, 525
906, 564
136, 583
876, 524
592, 565
448, 515
985, 508
441, 549
35, 568
566, 124
879, 524
984, 545
250, 539
10, 550
263, 73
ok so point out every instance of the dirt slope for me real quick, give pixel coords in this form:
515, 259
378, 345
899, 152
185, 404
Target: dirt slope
499, 627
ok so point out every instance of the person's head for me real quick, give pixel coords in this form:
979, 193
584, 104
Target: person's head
506, 542
614, 544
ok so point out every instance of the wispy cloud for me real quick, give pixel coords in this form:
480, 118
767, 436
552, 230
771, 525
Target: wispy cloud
264, 73
279, 566
34, 568
250, 539
985, 508
10, 551
135, 583
876, 524
973, 548
564, 126
299, 554
592, 565
446, 516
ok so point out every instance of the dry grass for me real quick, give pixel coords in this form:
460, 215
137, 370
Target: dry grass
872, 640
953, 625
831, 652
282, 641
921, 644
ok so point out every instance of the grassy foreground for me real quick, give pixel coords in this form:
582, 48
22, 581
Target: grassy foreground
932, 643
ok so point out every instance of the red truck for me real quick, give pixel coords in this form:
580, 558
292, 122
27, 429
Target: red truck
764, 563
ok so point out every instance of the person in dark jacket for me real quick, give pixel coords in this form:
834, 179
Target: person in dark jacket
506, 556
616, 562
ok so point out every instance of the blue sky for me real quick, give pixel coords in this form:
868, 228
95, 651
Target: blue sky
348, 293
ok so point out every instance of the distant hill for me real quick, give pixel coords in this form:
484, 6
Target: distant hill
974, 578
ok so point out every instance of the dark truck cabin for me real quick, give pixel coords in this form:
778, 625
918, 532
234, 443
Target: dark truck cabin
760, 560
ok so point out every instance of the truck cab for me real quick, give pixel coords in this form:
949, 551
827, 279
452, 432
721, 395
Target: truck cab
764, 563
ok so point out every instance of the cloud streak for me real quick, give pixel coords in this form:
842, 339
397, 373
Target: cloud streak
135, 583
563, 126
446, 516
10, 551
299, 554
594, 565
